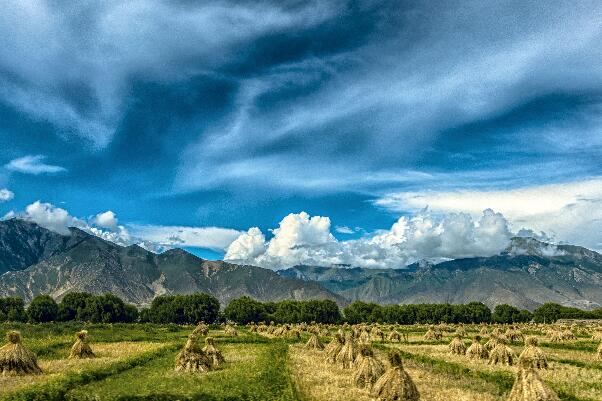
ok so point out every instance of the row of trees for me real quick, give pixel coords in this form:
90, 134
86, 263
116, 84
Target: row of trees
81, 306
191, 309
246, 310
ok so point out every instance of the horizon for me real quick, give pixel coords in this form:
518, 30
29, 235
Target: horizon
372, 135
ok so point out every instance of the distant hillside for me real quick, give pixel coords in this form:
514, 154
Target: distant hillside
526, 275
83, 262
34, 260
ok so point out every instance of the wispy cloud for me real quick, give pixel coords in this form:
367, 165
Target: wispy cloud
6, 195
33, 165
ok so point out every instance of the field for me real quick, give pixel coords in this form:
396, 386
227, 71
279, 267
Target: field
136, 362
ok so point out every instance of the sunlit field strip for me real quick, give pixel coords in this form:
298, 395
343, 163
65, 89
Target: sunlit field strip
253, 371
62, 375
571, 382
318, 380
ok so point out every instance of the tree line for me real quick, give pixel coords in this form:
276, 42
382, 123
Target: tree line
193, 308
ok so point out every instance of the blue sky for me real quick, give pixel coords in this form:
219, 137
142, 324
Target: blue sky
201, 120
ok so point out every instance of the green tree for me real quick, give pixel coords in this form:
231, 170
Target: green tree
42, 309
12, 309
106, 308
244, 310
184, 309
72, 306
505, 313
549, 313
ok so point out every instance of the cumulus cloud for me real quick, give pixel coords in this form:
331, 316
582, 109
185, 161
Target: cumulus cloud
569, 212
33, 164
6, 195
105, 225
302, 239
51, 217
107, 220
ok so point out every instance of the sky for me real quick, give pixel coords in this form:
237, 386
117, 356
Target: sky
364, 133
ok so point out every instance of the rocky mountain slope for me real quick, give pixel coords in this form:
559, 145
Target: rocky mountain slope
83, 262
526, 275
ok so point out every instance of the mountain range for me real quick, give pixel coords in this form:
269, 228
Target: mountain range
34, 260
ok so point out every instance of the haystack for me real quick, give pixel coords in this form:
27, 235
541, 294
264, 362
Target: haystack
529, 386
364, 337
394, 336
348, 352
334, 347
15, 359
534, 354
201, 329
369, 369
377, 333
556, 336
81, 349
461, 331
217, 359
457, 346
433, 334
514, 334
492, 343
501, 354
314, 342
192, 359
477, 350
230, 331
395, 384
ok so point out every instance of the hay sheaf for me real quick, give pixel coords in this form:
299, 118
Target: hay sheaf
529, 386
369, 369
333, 348
501, 354
599, 352
201, 329
314, 342
477, 350
192, 359
15, 359
217, 359
457, 346
394, 336
395, 384
533, 354
81, 349
230, 331
348, 352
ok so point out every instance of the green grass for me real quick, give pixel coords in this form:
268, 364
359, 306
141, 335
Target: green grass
258, 372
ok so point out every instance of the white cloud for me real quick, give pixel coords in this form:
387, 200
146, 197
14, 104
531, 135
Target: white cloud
6, 195
301, 239
569, 212
214, 238
344, 230
33, 164
106, 220
99, 47
51, 217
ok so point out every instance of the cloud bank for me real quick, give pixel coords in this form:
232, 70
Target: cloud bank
570, 212
303, 239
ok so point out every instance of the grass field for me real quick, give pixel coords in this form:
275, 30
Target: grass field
136, 362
